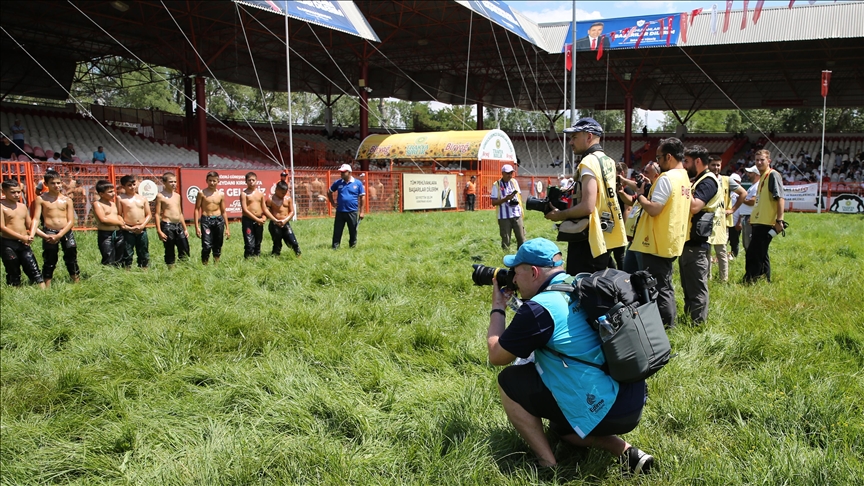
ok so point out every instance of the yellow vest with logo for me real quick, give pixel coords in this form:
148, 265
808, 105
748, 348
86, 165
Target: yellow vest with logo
632, 219
664, 235
720, 201
765, 208
727, 202
603, 168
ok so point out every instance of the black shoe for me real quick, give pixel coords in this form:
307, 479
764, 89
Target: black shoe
634, 462
336, 246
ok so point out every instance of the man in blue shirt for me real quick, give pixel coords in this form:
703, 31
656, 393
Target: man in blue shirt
99, 155
582, 403
349, 206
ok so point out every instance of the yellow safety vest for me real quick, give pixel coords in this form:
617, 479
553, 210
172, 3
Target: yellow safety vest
601, 241
727, 202
664, 235
718, 205
765, 209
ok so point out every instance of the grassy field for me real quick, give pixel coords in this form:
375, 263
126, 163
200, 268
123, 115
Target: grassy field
368, 366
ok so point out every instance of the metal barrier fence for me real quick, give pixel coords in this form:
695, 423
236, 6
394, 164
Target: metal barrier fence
383, 189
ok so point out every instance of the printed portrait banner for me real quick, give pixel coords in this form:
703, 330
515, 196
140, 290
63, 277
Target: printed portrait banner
625, 33
326, 13
428, 191
231, 183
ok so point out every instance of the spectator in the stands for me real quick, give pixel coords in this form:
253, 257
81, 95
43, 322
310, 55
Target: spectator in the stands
99, 155
18, 136
7, 150
67, 153
57, 158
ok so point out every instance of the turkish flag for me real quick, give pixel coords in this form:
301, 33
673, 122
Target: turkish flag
726, 15
568, 57
826, 78
744, 16
758, 12
600, 47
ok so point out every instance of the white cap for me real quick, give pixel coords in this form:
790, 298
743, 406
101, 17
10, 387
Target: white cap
752, 169
735, 177
507, 168
345, 168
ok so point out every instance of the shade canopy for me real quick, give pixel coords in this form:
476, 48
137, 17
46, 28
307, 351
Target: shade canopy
441, 146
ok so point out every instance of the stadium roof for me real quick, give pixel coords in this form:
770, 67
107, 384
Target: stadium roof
425, 54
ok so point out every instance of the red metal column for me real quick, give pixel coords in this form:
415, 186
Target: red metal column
628, 127
479, 115
187, 92
200, 100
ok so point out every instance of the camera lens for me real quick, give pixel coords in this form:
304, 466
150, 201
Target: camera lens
483, 275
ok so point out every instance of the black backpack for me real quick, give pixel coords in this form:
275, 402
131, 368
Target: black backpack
633, 338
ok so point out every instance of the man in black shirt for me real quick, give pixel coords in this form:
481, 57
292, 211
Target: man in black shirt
694, 264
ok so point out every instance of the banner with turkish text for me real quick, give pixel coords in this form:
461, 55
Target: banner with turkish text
428, 191
625, 33
231, 183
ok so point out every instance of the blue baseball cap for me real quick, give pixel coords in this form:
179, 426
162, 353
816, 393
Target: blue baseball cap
586, 124
538, 252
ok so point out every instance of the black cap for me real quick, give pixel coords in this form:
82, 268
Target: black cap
586, 124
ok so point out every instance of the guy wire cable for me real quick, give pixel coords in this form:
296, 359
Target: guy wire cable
535, 76
213, 76
178, 91
512, 97
77, 102
740, 110
261, 90
318, 70
468, 68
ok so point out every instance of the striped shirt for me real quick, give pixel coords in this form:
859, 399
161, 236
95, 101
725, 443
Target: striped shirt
500, 190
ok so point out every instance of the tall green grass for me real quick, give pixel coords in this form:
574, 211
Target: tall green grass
368, 366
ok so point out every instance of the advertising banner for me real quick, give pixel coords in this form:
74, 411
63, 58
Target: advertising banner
500, 13
451, 145
625, 33
327, 13
231, 183
428, 191
801, 196
847, 203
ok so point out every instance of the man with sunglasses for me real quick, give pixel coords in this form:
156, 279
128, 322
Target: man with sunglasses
596, 176
662, 228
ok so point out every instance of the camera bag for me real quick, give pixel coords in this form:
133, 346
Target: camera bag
634, 341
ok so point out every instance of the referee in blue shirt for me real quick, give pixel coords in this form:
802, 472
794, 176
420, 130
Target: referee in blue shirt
349, 206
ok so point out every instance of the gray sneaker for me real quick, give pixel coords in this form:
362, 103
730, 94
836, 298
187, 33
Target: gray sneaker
634, 462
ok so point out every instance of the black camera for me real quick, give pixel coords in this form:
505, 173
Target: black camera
483, 275
555, 197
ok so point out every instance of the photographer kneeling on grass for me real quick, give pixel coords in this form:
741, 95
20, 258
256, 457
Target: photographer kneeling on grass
583, 404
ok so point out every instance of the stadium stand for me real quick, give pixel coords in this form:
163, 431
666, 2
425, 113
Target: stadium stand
49, 131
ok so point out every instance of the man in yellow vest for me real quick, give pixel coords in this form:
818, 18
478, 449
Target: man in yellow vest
720, 236
767, 215
597, 177
662, 228
694, 263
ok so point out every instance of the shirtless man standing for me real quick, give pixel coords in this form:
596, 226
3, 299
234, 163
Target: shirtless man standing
280, 210
57, 214
15, 239
170, 225
210, 214
135, 212
318, 191
109, 225
252, 204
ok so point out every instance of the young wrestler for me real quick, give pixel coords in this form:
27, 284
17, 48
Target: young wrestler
280, 209
57, 214
135, 211
210, 214
170, 224
15, 238
109, 225
252, 203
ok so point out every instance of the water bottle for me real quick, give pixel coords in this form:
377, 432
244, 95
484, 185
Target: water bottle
606, 331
